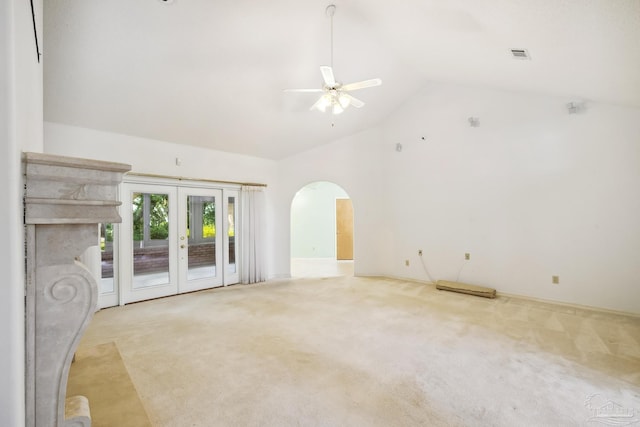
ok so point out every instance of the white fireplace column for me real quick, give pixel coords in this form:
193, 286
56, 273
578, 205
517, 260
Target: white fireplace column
65, 199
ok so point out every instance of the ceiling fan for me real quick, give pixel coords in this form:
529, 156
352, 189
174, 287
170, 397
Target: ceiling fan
335, 96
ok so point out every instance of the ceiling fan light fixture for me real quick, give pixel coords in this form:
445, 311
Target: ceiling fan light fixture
344, 100
337, 108
324, 102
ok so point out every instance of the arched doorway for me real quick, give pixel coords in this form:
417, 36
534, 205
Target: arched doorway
321, 231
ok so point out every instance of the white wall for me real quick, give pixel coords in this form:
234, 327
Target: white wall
533, 192
159, 158
353, 163
156, 157
20, 129
313, 220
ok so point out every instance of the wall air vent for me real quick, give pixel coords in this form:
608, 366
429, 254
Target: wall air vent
520, 54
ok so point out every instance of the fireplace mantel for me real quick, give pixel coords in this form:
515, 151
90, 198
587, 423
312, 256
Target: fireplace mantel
65, 199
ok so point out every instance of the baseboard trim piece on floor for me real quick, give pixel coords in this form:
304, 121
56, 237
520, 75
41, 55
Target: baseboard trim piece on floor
465, 288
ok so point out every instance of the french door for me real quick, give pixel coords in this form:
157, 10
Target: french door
175, 239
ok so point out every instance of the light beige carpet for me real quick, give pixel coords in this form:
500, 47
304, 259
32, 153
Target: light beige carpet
369, 352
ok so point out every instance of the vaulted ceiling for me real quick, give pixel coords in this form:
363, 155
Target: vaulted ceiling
212, 73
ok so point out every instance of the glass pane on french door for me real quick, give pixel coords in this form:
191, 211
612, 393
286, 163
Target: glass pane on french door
201, 232
148, 242
108, 295
231, 237
231, 234
107, 282
150, 219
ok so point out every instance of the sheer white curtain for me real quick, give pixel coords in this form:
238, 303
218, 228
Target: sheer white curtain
253, 231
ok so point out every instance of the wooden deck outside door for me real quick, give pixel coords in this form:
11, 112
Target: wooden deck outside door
344, 229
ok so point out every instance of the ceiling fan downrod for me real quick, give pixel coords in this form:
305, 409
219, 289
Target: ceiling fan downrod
330, 11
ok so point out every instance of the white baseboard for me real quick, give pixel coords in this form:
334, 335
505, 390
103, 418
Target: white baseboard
569, 305
499, 294
408, 279
279, 276
538, 300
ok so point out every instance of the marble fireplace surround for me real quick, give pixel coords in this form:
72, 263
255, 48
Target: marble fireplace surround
65, 199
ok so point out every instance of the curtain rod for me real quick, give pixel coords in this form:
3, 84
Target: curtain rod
182, 178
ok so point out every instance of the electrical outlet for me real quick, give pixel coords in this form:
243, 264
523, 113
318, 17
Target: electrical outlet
406, 262
467, 256
419, 252
555, 280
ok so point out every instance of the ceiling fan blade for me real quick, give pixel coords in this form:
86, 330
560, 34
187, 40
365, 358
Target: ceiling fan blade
302, 90
327, 75
362, 84
354, 101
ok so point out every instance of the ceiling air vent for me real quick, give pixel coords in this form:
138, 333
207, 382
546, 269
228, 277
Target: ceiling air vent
520, 54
